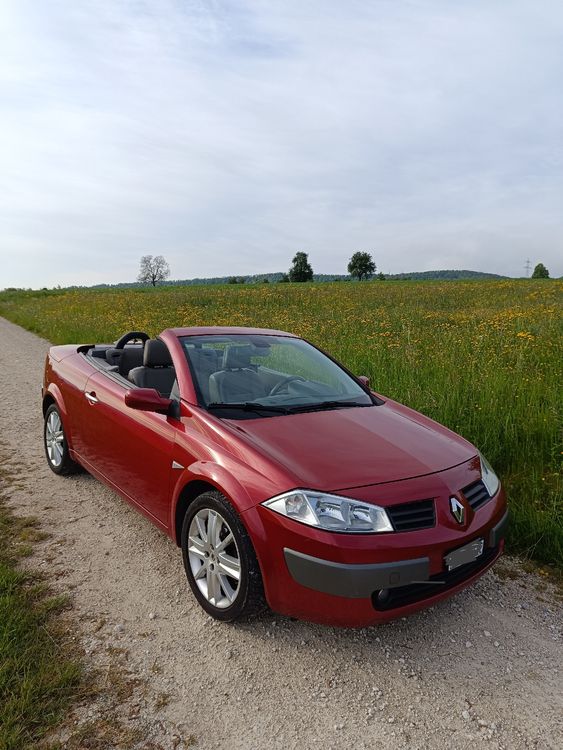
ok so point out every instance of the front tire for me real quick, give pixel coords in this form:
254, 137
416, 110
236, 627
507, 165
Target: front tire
56, 445
220, 561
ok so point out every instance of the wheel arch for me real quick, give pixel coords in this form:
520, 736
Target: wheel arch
197, 479
189, 492
51, 396
48, 399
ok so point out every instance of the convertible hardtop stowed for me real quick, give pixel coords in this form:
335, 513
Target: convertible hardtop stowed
135, 357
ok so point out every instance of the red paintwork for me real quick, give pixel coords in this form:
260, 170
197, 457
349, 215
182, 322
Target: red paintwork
387, 454
147, 399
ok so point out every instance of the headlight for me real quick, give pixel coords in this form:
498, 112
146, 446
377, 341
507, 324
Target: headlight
330, 512
490, 479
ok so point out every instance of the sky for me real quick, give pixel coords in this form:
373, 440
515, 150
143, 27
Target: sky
227, 136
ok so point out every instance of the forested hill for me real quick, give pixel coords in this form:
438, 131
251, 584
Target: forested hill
277, 276
422, 275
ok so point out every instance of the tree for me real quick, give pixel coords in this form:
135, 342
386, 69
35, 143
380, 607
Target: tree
381, 276
153, 269
301, 269
284, 278
540, 272
361, 266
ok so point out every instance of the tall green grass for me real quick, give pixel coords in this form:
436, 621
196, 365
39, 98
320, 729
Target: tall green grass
39, 674
484, 358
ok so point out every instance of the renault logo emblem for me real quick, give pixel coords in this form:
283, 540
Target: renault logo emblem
457, 509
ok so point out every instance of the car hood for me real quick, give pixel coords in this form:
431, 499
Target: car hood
345, 448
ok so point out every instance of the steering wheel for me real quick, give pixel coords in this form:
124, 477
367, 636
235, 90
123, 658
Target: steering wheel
120, 344
278, 386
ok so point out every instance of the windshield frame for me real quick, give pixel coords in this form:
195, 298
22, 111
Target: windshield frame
231, 413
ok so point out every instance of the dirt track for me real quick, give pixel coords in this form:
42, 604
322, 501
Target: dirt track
486, 666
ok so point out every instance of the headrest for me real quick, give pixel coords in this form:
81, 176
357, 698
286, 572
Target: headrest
203, 354
156, 354
131, 356
236, 357
113, 355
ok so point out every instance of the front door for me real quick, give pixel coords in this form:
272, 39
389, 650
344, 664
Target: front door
131, 449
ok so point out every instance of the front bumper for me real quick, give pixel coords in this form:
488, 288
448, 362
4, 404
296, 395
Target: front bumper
359, 580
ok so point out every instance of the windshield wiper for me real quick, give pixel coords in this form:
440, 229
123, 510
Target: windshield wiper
249, 406
322, 405
253, 406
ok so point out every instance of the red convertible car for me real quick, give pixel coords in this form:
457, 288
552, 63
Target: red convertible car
283, 478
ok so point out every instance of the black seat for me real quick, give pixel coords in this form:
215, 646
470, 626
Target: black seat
128, 358
157, 370
204, 362
113, 355
238, 380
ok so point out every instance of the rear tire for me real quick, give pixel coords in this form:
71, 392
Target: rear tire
56, 445
220, 561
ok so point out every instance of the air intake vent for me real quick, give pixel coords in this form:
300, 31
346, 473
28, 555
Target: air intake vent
412, 516
476, 494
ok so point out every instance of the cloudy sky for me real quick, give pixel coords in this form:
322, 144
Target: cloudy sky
226, 135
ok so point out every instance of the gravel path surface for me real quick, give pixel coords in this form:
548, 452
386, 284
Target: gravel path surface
486, 666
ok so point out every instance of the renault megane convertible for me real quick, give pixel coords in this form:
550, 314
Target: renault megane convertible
284, 479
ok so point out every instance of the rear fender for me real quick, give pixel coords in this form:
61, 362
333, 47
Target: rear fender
53, 393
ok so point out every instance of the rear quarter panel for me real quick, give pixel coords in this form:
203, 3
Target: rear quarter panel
66, 373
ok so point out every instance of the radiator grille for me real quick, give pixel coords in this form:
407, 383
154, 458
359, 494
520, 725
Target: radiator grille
412, 516
476, 494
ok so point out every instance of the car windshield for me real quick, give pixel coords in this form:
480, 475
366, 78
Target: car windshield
260, 375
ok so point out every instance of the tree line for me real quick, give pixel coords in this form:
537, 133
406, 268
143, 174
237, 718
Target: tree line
361, 266
154, 270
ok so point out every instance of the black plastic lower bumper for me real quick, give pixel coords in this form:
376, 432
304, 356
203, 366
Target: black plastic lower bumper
386, 599
498, 532
353, 581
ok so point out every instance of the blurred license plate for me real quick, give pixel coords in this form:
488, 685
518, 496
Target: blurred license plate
465, 554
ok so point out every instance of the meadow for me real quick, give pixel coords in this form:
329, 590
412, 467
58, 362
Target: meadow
40, 673
483, 358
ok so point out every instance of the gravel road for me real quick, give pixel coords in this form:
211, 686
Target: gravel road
485, 666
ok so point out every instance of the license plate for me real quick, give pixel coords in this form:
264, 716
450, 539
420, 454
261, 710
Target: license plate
465, 554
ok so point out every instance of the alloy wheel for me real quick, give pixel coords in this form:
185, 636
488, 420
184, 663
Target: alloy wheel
54, 439
214, 558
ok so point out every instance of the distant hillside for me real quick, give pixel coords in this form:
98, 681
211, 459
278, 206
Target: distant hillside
277, 276
445, 275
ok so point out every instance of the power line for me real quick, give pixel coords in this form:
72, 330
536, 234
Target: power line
528, 267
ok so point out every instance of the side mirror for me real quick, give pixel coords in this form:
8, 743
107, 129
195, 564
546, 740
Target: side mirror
147, 399
364, 380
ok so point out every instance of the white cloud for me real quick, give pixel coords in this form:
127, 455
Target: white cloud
228, 135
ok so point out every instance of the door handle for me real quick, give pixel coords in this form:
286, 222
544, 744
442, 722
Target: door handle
91, 397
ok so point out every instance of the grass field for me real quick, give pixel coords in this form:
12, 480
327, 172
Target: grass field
484, 358
39, 673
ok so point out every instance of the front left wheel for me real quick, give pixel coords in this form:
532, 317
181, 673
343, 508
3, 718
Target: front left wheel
220, 561
56, 446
